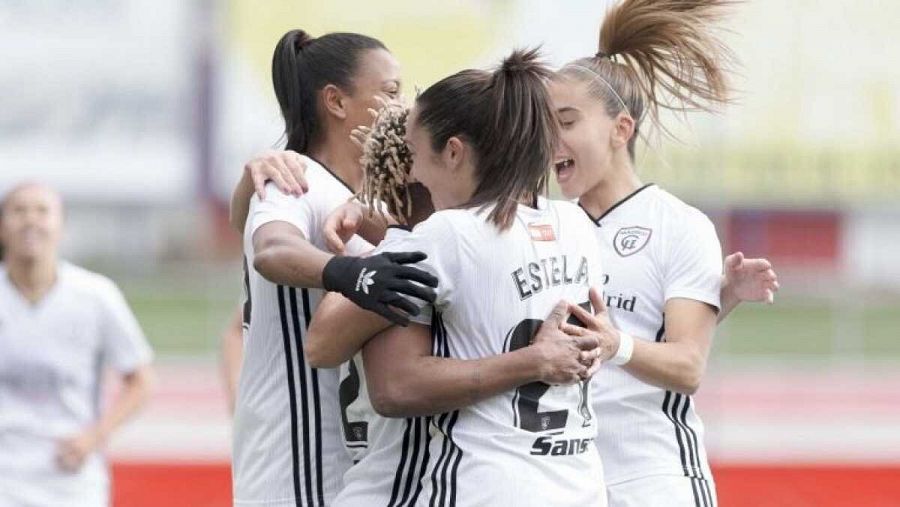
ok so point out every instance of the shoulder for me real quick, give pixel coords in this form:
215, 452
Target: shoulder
571, 212
679, 216
84, 282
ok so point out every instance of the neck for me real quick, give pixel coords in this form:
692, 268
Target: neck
621, 182
33, 278
342, 158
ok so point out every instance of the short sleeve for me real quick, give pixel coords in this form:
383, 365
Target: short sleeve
280, 207
694, 266
437, 239
124, 345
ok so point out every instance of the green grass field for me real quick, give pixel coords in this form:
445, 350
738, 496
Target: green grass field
186, 315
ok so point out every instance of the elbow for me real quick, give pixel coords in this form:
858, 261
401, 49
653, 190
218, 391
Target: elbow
691, 374
394, 400
265, 259
143, 383
316, 354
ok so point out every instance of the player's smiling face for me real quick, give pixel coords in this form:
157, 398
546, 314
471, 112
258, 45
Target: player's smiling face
584, 156
31, 222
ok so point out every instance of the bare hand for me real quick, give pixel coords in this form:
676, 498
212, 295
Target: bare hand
750, 279
563, 356
596, 325
286, 169
341, 225
73, 451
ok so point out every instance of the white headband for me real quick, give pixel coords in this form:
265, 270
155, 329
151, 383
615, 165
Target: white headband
604, 81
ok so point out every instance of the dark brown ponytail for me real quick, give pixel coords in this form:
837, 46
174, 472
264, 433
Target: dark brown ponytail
507, 118
303, 65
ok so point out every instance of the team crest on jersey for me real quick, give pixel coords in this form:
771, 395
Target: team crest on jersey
631, 240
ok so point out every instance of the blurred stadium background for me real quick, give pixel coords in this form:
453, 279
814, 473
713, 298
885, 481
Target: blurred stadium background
142, 113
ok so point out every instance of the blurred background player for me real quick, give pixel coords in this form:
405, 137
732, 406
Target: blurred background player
61, 328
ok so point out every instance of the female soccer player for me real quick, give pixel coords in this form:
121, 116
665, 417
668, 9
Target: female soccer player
507, 258
662, 257
61, 327
287, 443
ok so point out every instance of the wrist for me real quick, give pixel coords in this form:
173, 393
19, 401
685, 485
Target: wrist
624, 351
332, 272
534, 364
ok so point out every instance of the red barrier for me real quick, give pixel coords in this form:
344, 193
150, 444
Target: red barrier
171, 484
209, 485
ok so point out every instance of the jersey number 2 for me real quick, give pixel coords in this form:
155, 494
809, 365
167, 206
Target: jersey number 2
527, 397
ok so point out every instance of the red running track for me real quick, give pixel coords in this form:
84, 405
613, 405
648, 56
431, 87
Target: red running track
209, 485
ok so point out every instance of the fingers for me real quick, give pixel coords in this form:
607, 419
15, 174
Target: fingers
593, 368
259, 182
733, 262
558, 316
414, 290
770, 297
586, 341
396, 317
597, 301
401, 303
332, 239
406, 257
358, 137
297, 166
582, 315
754, 265
278, 179
418, 275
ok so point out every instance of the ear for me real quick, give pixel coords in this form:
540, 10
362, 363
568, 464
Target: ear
335, 101
454, 153
623, 129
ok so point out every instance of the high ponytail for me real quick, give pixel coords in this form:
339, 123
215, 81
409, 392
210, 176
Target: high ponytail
301, 67
507, 118
658, 54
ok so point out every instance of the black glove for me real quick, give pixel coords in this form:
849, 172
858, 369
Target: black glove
377, 281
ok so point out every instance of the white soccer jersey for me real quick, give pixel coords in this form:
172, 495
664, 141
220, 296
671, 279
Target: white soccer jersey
654, 248
529, 446
52, 356
288, 448
356, 408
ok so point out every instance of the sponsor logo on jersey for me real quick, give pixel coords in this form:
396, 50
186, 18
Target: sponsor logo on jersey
631, 240
550, 445
365, 280
549, 272
541, 232
619, 301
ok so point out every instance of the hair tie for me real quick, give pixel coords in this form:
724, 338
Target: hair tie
601, 54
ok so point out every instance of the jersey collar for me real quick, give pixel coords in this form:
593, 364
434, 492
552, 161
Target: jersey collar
616, 205
333, 175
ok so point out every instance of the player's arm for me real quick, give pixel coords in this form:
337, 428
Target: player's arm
405, 380
135, 389
746, 280
283, 256
377, 283
284, 168
679, 362
338, 330
676, 364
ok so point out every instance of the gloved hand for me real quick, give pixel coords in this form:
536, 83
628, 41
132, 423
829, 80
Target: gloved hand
378, 281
